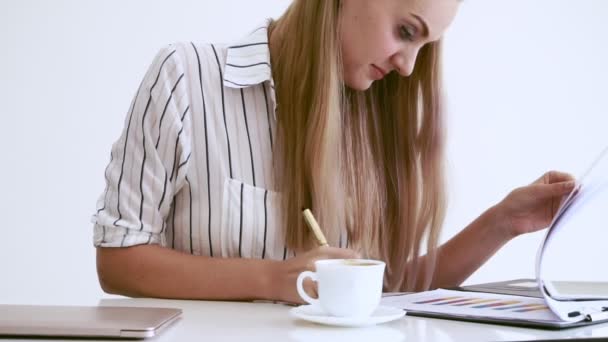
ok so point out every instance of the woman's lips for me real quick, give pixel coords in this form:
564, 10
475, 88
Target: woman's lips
379, 72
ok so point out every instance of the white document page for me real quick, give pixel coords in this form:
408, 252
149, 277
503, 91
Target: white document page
474, 304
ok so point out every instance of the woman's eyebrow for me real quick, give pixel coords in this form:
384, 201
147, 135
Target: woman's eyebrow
425, 27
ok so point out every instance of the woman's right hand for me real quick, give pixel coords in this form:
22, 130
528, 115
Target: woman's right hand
290, 269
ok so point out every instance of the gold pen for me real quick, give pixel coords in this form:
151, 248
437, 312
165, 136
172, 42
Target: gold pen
314, 226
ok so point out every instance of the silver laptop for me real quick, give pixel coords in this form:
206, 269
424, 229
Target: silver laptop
85, 321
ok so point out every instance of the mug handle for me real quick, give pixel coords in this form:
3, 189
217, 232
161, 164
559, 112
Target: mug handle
301, 292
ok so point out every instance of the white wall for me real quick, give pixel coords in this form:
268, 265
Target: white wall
525, 81
527, 93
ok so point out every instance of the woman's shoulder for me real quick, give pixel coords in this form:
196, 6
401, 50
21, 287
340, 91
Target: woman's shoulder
192, 58
188, 51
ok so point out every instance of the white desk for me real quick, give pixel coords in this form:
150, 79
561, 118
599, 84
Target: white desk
233, 321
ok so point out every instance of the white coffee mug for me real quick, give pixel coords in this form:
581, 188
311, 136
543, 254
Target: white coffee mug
346, 287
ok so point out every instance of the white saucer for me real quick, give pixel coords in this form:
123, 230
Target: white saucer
314, 314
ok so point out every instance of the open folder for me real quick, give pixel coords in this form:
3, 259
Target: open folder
479, 303
555, 299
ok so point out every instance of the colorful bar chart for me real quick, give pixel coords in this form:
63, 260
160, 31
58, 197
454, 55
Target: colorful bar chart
485, 303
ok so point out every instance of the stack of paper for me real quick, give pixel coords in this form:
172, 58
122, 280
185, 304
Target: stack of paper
475, 306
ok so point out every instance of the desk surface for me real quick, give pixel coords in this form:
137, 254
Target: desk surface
234, 321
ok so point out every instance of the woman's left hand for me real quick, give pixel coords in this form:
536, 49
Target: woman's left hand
532, 208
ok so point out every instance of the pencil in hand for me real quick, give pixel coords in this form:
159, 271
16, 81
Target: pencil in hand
314, 226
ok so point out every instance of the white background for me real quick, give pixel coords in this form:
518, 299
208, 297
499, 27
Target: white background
526, 84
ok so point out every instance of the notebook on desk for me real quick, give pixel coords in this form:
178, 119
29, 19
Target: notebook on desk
85, 322
514, 302
517, 287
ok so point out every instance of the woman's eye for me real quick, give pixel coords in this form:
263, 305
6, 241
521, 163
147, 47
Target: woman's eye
407, 32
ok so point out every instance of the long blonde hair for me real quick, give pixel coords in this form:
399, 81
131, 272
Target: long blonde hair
370, 162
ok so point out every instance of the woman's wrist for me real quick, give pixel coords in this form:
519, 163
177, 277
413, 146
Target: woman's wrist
501, 222
271, 277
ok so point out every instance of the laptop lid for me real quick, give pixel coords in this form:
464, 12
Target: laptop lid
84, 321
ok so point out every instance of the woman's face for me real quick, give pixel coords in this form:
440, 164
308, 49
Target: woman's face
380, 36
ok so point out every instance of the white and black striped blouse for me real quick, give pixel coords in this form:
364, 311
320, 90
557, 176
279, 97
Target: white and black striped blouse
192, 167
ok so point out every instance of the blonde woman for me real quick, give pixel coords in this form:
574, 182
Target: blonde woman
336, 106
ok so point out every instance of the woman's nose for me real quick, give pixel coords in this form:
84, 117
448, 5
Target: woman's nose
404, 62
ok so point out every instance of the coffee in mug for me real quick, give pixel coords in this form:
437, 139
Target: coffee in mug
346, 287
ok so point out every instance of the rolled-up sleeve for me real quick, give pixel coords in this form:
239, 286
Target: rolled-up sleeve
149, 161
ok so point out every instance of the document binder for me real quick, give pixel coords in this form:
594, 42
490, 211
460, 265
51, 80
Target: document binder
548, 301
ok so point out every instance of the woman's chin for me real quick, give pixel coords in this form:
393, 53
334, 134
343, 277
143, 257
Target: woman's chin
360, 84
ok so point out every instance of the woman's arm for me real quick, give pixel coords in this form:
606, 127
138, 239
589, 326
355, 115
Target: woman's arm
462, 255
526, 209
155, 271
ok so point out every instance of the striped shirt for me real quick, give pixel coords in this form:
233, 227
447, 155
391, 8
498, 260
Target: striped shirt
192, 167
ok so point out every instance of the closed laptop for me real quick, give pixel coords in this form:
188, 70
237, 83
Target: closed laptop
85, 321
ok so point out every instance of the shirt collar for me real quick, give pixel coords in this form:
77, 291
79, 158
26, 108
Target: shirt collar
248, 60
